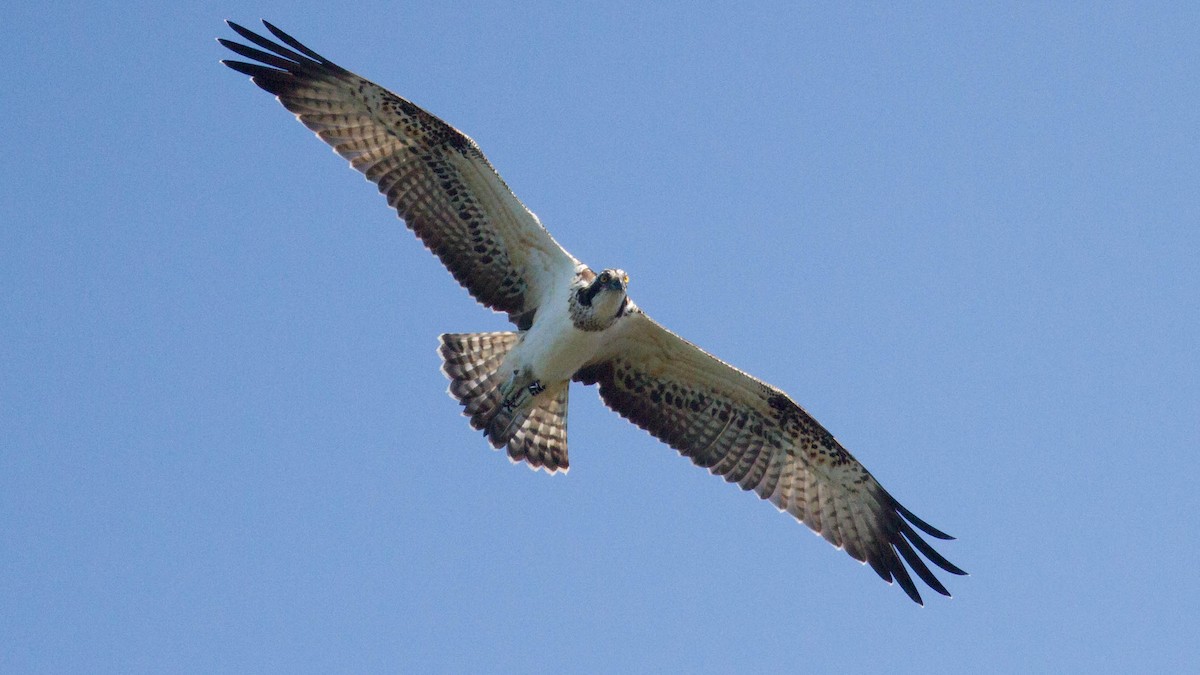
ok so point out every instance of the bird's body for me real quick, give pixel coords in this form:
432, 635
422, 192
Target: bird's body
566, 333
575, 324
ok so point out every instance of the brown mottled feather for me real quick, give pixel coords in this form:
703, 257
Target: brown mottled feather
541, 439
538, 436
752, 434
471, 361
433, 175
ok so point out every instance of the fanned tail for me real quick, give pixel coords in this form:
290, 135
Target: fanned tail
540, 437
534, 431
472, 362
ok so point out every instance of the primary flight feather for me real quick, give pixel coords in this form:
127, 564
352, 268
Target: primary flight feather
577, 324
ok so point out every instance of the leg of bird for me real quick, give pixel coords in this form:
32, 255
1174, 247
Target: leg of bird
516, 395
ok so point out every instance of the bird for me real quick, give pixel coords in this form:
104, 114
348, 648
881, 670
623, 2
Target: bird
574, 324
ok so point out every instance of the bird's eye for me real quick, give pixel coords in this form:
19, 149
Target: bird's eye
604, 278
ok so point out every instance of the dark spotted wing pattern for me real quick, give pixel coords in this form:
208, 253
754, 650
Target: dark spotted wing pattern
753, 434
433, 175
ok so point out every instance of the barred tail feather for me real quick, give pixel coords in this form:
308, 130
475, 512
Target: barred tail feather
472, 362
535, 432
541, 437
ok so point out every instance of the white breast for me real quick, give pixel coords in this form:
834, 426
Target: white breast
553, 347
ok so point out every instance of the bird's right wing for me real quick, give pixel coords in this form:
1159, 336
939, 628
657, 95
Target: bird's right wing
432, 174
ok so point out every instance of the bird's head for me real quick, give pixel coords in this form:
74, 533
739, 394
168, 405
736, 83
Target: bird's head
607, 287
601, 298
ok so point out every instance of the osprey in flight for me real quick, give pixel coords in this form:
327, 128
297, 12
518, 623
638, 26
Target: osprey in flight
573, 323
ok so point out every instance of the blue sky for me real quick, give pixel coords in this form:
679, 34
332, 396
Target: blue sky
963, 237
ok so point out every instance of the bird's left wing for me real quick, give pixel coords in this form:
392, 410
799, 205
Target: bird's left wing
432, 174
753, 434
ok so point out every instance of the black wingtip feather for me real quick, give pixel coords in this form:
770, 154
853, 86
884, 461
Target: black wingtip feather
244, 32
270, 80
276, 48
924, 526
251, 69
914, 561
876, 564
297, 61
928, 551
294, 43
905, 581
258, 55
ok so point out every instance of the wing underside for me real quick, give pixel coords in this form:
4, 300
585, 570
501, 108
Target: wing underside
754, 435
434, 176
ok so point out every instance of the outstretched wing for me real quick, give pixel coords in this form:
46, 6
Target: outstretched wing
432, 174
753, 434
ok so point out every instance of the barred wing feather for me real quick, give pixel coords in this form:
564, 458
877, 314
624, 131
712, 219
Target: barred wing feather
433, 175
753, 434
